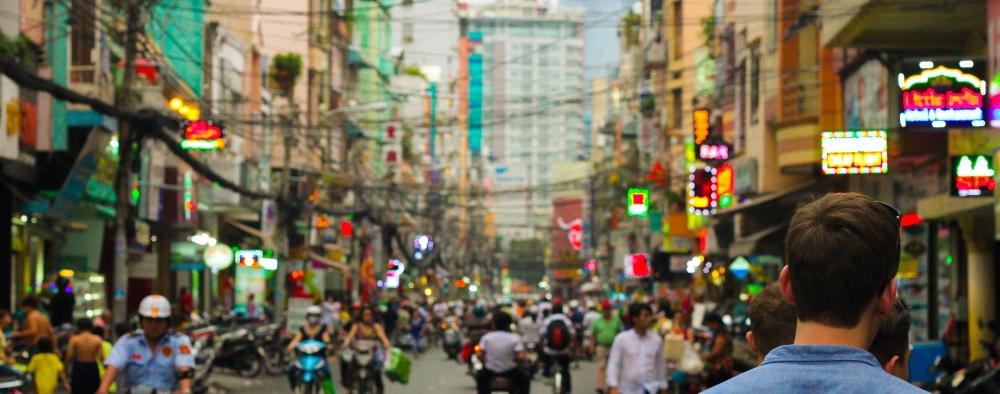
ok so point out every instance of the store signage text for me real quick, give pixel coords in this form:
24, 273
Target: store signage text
951, 94
972, 176
638, 202
855, 152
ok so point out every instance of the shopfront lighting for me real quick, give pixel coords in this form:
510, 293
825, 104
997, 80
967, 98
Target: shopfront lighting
96, 279
269, 264
176, 103
473, 288
66, 273
203, 239
428, 292
24, 218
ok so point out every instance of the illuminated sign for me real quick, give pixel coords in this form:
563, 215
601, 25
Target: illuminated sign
392, 274
714, 152
423, 243
203, 135
637, 265
638, 202
855, 152
710, 188
701, 122
249, 257
972, 176
942, 94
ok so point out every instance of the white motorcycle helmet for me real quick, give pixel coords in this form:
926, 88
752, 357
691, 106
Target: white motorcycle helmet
313, 314
574, 305
154, 307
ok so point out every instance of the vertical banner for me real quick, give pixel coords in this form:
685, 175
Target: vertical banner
993, 65
567, 238
10, 118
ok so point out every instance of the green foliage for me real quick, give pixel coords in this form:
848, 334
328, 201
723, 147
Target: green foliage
708, 33
414, 71
647, 106
285, 70
21, 49
630, 29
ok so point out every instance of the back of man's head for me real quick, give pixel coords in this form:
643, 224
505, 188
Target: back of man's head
842, 251
772, 320
893, 340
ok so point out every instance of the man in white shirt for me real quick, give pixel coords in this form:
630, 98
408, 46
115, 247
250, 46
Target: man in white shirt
557, 352
636, 364
501, 352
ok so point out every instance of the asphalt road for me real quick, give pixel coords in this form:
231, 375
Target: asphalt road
431, 373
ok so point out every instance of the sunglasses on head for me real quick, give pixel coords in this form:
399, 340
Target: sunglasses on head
896, 216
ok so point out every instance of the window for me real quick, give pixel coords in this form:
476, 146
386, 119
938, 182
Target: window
677, 108
678, 26
754, 82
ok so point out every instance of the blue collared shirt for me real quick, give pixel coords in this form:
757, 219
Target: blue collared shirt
816, 369
142, 367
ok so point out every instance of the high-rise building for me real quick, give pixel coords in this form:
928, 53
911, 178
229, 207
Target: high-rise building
532, 103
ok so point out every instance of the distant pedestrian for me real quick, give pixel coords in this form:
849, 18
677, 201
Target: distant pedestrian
36, 326
187, 304
604, 329
62, 303
106, 347
636, 364
891, 345
772, 321
83, 354
6, 361
47, 369
251, 307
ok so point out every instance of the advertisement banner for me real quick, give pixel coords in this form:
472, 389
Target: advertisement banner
866, 97
567, 237
10, 119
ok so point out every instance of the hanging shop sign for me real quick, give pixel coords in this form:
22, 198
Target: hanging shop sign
218, 257
392, 274
203, 135
941, 94
637, 266
710, 188
574, 232
638, 202
972, 176
855, 152
701, 122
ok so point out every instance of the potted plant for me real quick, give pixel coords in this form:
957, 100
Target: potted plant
285, 70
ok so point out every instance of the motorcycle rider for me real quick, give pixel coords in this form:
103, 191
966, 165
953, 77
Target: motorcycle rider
315, 330
367, 329
557, 322
153, 358
477, 325
501, 351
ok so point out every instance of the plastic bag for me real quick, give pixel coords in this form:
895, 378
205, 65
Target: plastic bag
398, 368
691, 363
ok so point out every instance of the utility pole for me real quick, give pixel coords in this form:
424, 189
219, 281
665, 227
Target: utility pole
126, 139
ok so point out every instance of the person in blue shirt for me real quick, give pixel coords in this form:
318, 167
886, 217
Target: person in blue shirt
152, 358
842, 252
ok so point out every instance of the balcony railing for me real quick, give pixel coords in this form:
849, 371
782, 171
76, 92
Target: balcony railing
92, 81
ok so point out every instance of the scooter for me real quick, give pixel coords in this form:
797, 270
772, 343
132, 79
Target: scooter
238, 351
530, 366
204, 358
498, 383
361, 358
452, 342
11, 385
310, 369
271, 342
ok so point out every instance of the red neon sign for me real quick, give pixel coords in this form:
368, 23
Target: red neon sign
931, 99
202, 130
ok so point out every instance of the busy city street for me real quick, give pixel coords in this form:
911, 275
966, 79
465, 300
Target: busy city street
499, 196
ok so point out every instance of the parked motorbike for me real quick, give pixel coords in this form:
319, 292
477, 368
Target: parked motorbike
310, 368
531, 361
452, 340
204, 358
981, 376
271, 342
361, 358
11, 385
237, 350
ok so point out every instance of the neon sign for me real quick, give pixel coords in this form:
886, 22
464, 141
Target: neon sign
714, 152
638, 202
855, 152
936, 94
203, 135
637, 265
710, 188
701, 121
972, 176
393, 273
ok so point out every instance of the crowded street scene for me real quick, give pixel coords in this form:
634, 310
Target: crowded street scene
499, 196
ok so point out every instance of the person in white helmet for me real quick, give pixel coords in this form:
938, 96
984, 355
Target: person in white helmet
153, 359
314, 329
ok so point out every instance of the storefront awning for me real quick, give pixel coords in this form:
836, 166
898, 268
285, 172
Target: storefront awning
749, 246
944, 206
756, 202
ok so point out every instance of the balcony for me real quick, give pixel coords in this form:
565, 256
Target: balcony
897, 25
798, 147
92, 81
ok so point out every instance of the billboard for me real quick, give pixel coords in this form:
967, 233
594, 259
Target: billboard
567, 237
855, 152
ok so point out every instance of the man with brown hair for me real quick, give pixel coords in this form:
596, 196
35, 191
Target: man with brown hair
842, 252
772, 321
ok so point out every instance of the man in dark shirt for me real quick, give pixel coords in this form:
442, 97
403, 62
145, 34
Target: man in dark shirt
61, 304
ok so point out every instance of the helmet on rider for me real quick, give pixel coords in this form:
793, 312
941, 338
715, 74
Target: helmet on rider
155, 312
313, 314
574, 304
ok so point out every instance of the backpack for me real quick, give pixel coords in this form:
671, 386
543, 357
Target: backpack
557, 335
